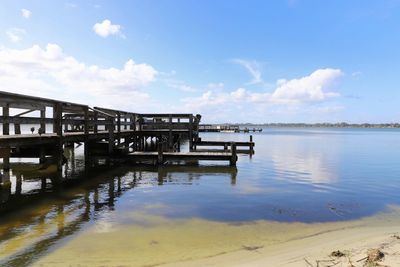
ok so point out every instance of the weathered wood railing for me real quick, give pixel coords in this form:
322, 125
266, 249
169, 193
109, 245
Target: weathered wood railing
37, 122
65, 117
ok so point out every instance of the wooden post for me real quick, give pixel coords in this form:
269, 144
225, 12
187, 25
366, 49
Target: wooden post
119, 128
5, 177
86, 129
191, 132
251, 144
86, 120
17, 128
95, 119
43, 120
170, 140
160, 157
135, 144
57, 119
111, 136
133, 122
57, 129
6, 124
18, 184
233, 156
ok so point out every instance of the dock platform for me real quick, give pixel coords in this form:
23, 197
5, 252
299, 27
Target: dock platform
162, 157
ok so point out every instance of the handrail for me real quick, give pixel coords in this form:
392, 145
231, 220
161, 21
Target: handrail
101, 112
66, 116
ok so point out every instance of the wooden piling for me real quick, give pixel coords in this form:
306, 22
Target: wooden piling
233, 156
5, 177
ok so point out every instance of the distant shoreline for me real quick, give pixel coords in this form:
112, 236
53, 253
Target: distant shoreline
316, 125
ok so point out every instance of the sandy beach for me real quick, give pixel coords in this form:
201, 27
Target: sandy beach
355, 244
162, 242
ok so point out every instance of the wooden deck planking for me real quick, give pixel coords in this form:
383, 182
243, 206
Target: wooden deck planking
182, 155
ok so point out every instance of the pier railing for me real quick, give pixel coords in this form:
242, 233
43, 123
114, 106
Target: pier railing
21, 113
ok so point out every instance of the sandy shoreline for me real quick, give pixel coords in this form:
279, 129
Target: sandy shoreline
316, 250
158, 241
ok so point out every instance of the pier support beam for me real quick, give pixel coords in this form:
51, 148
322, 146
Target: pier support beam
251, 144
5, 176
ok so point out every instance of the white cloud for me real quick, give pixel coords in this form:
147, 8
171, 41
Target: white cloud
180, 85
15, 34
312, 89
26, 13
253, 67
315, 87
49, 72
106, 28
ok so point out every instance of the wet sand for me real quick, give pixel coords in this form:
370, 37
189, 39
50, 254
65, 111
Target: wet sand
146, 240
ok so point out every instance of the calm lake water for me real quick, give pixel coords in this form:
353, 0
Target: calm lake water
296, 175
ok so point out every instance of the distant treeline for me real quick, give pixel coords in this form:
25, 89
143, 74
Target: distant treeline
323, 125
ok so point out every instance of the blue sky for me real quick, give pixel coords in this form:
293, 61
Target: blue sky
231, 61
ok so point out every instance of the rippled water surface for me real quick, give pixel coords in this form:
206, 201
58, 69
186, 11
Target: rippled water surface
295, 176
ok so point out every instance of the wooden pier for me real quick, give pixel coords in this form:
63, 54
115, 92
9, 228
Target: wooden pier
34, 127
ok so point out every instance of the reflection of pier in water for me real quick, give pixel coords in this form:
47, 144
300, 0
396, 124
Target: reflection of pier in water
74, 202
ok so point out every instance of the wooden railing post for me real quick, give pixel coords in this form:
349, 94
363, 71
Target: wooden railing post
191, 132
118, 128
171, 142
86, 129
133, 122
86, 120
6, 117
57, 119
251, 144
43, 120
95, 118
57, 129
111, 136
140, 118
